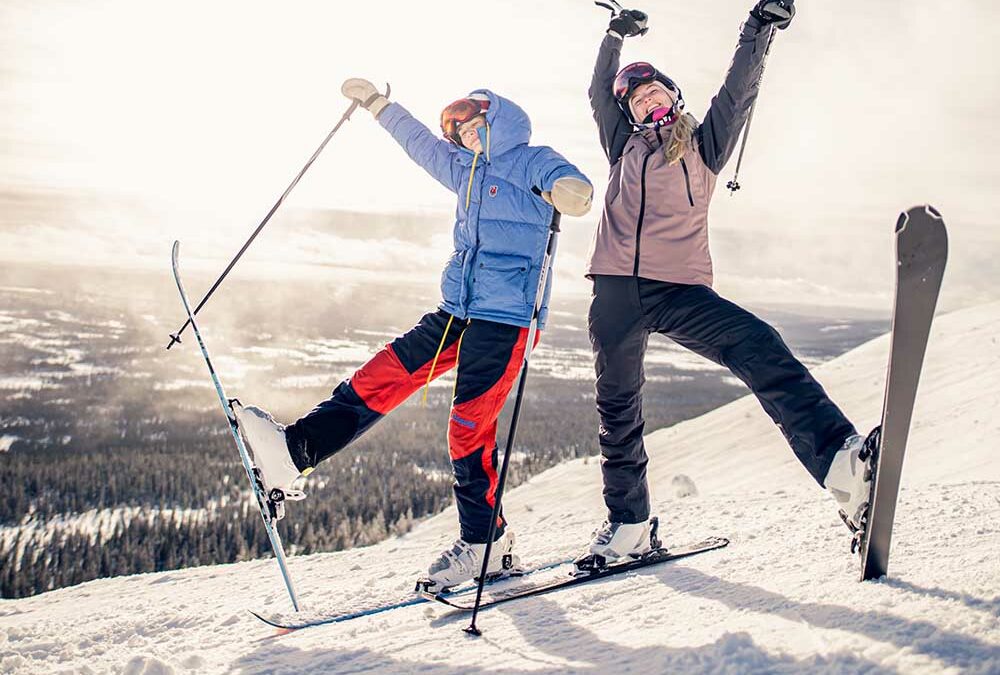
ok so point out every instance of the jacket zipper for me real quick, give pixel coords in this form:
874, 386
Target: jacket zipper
642, 213
687, 181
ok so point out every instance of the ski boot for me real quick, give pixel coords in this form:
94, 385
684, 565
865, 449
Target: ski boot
464, 561
274, 470
618, 542
851, 481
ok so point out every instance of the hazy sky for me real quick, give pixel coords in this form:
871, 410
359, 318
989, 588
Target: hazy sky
197, 114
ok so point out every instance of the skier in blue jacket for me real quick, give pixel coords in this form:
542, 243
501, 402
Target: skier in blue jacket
506, 191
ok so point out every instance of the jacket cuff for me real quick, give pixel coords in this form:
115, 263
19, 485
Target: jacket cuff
389, 116
378, 105
754, 24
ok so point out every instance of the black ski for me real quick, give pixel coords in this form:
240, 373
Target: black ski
921, 253
563, 580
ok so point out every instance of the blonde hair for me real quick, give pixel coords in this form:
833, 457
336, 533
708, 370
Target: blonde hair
680, 139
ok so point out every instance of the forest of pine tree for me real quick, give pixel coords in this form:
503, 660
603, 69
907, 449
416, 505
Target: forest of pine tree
189, 503
99, 424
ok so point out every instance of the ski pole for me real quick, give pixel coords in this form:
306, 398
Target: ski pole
734, 184
550, 251
176, 337
614, 7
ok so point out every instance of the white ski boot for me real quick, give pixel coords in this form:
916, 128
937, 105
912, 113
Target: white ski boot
266, 441
616, 542
464, 561
849, 480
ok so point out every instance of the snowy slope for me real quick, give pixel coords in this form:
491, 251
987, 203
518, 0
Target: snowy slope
782, 598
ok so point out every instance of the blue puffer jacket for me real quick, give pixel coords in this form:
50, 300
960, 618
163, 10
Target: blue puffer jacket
501, 223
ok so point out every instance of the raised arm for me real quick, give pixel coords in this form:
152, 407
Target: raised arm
612, 126
719, 132
423, 147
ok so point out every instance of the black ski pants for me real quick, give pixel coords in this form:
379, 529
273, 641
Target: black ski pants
623, 313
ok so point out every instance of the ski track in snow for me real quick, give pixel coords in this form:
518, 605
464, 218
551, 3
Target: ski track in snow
783, 597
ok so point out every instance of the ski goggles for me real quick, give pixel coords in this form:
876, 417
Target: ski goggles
631, 76
459, 112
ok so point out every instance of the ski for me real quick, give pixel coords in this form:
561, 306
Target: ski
563, 580
270, 510
320, 618
921, 254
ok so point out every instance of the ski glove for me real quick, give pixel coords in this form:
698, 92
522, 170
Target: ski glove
571, 196
628, 23
365, 93
778, 12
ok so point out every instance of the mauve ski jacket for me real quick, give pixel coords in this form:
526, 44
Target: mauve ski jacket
655, 220
501, 221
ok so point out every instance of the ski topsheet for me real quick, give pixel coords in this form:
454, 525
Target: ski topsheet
543, 579
921, 254
340, 613
547, 583
266, 507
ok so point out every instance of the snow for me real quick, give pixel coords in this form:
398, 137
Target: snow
338, 351
563, 364
783, 597
180, 384
312, 381
101, 522
24, 384
24, 289
95, 523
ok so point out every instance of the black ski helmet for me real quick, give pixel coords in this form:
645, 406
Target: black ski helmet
635, 74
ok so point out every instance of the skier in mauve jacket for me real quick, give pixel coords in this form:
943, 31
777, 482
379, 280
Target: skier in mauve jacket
652, 273
506, 191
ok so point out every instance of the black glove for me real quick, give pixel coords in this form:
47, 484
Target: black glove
629, 23
778, 12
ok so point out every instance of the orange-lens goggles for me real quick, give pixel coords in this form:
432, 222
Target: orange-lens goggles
458, 113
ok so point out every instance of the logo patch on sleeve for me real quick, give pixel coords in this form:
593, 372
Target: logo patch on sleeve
493, 191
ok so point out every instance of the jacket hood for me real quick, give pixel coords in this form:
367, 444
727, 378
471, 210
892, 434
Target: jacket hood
509, 127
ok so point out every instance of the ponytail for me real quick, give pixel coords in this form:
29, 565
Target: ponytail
680, 139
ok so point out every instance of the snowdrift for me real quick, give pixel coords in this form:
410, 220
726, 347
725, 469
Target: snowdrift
783, 597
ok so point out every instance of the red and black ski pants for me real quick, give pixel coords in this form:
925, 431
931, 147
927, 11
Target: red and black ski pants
488, 357
624, 311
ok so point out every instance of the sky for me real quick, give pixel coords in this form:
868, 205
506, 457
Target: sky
151, 121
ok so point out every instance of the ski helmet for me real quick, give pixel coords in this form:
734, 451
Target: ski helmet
635, 74
461, 111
